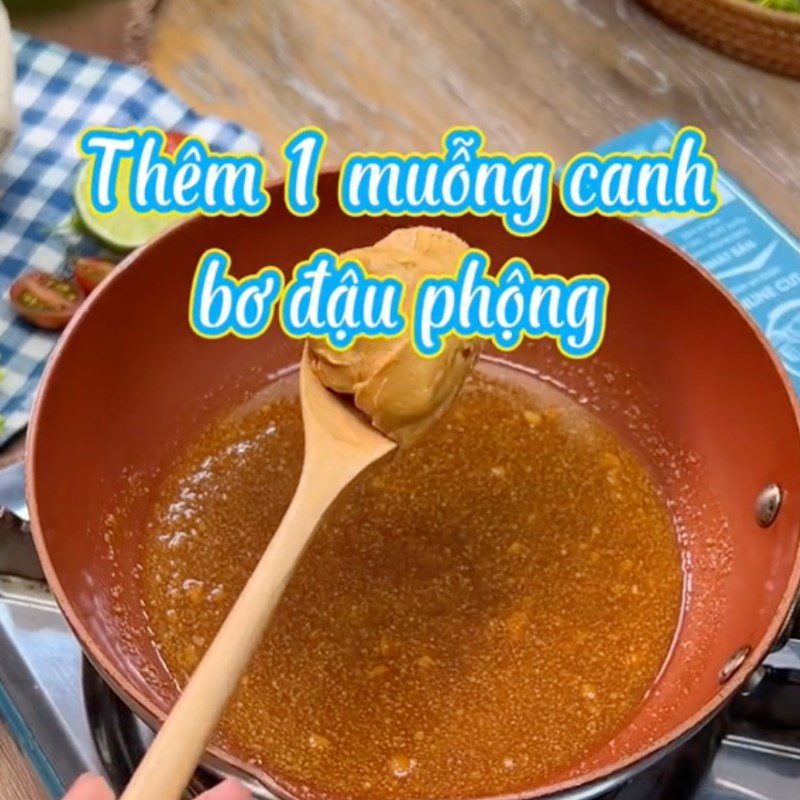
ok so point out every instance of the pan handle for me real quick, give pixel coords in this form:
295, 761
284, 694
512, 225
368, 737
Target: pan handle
785, 655
786, 659
771, 698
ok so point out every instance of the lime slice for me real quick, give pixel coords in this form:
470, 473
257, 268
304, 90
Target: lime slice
123, 228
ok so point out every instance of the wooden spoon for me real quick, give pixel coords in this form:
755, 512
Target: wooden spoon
339, 445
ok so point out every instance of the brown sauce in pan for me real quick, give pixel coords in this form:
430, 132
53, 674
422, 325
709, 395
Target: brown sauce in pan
474, 619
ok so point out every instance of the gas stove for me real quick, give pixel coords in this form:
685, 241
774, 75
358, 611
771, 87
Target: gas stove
68, 721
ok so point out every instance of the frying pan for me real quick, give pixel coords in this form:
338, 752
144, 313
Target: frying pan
683, 374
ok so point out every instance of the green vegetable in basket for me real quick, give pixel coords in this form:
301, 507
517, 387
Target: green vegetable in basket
779, 5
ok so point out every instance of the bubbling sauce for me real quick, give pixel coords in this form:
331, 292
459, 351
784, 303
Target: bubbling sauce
474, 618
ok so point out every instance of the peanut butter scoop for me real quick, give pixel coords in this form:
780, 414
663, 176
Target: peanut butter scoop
402, 392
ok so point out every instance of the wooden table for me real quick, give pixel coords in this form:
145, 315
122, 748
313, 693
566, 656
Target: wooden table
553, 75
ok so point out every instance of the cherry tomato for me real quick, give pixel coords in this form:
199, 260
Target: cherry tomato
90, 272
174, 138
45, 300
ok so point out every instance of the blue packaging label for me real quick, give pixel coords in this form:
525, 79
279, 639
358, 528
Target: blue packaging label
752, 254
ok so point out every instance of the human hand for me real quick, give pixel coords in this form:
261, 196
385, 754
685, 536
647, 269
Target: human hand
92, 787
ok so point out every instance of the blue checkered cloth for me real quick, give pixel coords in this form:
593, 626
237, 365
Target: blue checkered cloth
59, 93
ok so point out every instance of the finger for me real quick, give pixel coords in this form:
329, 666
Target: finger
230, 789
91, 787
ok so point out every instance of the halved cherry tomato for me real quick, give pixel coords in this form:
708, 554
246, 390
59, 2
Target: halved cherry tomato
45, 300
174, 138
90, 272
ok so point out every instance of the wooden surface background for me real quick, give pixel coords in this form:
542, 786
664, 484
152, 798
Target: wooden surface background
552, 75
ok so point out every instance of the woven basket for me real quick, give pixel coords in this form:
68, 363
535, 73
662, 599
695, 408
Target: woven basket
761, 36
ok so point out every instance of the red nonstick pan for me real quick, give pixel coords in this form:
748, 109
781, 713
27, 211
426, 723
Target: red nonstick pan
695, 388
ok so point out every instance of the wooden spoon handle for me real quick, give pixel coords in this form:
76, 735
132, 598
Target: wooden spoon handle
169, 763
339, 446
